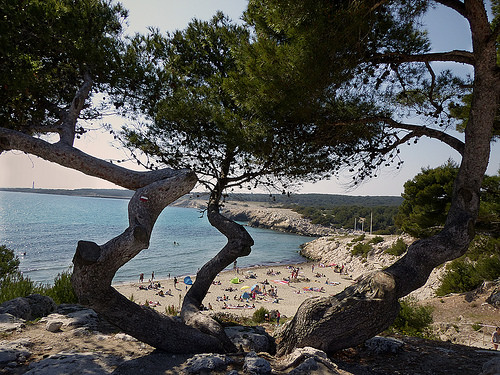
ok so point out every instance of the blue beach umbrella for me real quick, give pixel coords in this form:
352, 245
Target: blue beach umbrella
188, 281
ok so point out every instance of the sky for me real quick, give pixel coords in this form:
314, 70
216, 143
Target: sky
447, 31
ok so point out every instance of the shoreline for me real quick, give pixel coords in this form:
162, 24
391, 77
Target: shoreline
284, 263
224, 296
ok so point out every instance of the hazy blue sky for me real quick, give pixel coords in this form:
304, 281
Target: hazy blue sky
447, 30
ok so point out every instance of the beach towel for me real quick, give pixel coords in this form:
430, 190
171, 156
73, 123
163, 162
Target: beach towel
280, 282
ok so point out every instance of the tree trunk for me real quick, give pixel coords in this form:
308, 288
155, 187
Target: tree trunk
370, 306
239, 244
95, 267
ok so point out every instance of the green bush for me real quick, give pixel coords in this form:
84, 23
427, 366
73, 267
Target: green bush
413, 320
62, 291
463, 275
16, 285
361, 249
259, 315
9, 263
488, 268
171, 310
377, 239
359, 238
398, 248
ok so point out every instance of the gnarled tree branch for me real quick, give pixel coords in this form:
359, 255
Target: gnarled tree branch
73, 158
95, 266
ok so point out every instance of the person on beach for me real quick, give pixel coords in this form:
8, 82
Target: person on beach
495, 338
141, 278
152, 276
175, 282
278, 316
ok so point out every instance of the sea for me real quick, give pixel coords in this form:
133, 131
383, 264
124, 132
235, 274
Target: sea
43, 230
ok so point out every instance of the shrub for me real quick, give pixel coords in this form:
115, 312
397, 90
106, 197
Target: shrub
413, 320
171, 310
16, 285
461, 276
62, 291
377, 239
477, 326
9, 263
259, 315
488, 268
397, 248
361, 249
359, 238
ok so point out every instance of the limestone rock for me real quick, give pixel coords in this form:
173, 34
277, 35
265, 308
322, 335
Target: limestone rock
251, 338
306, 360
206, 362
29, 308
74, 318
256, 365
9, 322
14, 351
53, 326
494, 298
124, 337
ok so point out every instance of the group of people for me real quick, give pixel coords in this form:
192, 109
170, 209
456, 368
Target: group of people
141, 277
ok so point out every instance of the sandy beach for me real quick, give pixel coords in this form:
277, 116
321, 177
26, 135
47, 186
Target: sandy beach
275, 290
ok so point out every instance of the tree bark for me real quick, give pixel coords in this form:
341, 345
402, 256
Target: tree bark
370, 306
239, 244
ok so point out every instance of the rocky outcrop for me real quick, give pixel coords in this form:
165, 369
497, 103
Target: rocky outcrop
29, 308
278, 219
338, 250
261, 216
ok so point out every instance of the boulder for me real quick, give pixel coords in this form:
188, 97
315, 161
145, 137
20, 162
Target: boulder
256, 365
76, 317
29, 308
306, 360
494, 298
9, 322
13, 352
204, 363
53, 326
251, 338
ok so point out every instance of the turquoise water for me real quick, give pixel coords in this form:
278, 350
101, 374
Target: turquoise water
43, 230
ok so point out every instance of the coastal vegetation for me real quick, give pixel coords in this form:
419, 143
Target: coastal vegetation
299, 92
14, 284
413, 319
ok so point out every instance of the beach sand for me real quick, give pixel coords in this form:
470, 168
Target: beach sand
313, 280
